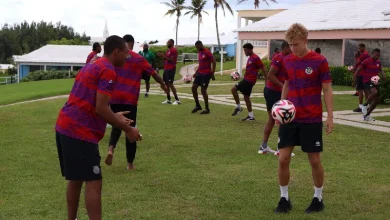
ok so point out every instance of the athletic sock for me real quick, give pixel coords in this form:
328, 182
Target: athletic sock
284, 192
318, 193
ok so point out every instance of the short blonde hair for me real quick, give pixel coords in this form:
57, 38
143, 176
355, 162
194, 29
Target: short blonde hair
296, 31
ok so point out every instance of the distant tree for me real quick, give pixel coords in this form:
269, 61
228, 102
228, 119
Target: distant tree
176, 8
195, 10
65, 41
257, 2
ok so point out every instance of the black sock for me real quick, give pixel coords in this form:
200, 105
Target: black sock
207, 107
197, 103
177, 98
169, 97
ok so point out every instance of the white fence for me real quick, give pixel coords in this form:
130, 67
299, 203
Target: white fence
4, 80
187, 57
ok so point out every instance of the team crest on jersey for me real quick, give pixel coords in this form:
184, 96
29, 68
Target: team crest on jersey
308, 70
250, 62
377, 64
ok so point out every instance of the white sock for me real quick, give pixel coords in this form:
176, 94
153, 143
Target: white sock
360, 105
284, 191
238, 105
318, 193
250, 114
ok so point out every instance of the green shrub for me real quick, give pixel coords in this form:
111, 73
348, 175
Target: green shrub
50, 74
267, 64
341, 76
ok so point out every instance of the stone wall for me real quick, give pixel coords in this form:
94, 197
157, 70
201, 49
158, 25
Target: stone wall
352, 45
331, 49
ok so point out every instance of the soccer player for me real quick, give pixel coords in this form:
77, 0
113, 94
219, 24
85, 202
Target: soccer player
276, 52
202, 76
96, 49
358, 76
81, 125
273, 92
170, 58
307, 73
371, 67
253, 65
149, 56
125, 97
318, 50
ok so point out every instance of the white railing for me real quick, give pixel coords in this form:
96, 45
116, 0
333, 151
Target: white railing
4, 80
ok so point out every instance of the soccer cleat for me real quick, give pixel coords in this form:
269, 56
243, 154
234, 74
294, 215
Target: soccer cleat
284, 206
196, 109
204, 112
237, 110
248, 118
265, 150
357, 110
167, 102
315, 206
364, 109
368, 118
176, 102
146, 95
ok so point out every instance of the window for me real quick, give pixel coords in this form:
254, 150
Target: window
257, 43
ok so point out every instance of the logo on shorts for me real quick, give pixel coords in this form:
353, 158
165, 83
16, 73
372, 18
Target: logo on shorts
110, 82
318, 144
96, 169
308, 70
278, 140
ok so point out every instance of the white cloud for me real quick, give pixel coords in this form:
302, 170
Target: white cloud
144, 19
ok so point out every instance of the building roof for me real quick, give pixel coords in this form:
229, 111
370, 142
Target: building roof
6, 66
59, 54
323, 15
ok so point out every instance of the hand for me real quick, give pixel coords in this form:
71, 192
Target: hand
133, 135
193, 76
121, 116
329, 125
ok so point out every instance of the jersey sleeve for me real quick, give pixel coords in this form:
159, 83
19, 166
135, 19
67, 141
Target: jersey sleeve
325, 72
147, 68
211, 57
260, 63
277, 63
106, 82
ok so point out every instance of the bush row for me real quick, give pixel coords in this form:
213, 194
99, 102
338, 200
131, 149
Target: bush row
50, 74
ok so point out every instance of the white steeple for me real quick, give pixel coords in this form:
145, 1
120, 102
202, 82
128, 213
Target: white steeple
105, 32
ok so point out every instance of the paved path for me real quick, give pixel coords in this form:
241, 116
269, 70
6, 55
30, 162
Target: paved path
347, 117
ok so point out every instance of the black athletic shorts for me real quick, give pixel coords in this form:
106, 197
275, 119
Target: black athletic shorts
271, 97
369, 85
359, 83
202, 80
79, 160
245, 87
169, 75
145, 76
306, 135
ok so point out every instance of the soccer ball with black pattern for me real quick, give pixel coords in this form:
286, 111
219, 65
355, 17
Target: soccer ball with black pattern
235, 76
283, 111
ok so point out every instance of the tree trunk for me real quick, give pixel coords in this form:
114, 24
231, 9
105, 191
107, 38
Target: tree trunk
177, 29
216, 25
198, 27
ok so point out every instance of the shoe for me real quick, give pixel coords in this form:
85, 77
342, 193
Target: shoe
204, 112
364, 109
176, 102
368, 118
167, 102
264, 150
284, 206
357, 110
196, 109
315, 206
146, 95
130, 166
248, 118
237, 110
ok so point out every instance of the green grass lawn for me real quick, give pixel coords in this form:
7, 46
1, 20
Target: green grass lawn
207, 169
383, 118
33, 90
226, 66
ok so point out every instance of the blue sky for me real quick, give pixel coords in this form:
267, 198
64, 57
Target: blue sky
144, 19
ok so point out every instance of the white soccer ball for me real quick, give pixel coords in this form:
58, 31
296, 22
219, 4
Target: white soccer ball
235, 76
375, 80
187, 79
283, 111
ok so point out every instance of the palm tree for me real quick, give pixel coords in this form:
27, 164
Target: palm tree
176, 7
257, 2
196, 9
222, 4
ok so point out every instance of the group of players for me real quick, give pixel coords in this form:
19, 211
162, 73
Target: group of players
107, 90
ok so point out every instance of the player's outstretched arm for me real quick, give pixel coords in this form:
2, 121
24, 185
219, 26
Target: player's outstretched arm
328, 97
104, 112
160, 81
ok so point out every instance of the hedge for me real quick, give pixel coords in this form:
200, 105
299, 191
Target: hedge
50, 74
